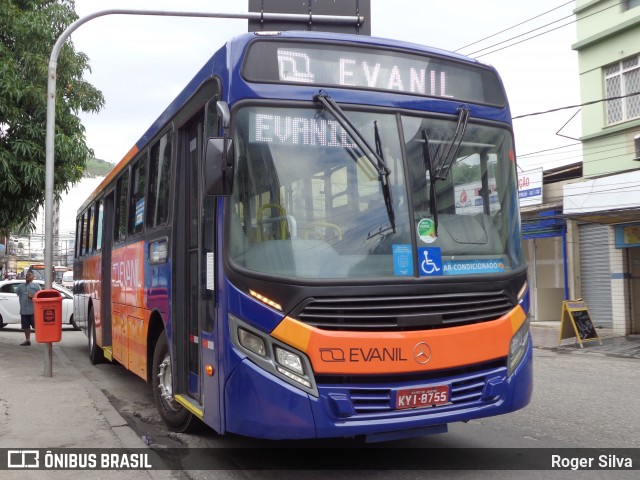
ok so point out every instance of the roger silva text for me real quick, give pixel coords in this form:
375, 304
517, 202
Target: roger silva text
608, 461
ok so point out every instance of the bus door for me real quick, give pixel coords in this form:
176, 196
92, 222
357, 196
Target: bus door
108, 207
189, 290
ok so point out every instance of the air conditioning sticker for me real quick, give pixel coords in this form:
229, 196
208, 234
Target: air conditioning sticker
470, 267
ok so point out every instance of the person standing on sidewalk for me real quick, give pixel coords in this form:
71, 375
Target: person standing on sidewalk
25, 292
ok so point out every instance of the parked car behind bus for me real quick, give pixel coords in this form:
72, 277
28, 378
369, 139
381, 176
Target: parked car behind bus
67, 280
10, 304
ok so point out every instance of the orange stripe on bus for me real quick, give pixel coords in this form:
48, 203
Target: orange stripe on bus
335, 352
294, 333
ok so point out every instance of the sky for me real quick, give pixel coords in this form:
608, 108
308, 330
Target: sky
141, 63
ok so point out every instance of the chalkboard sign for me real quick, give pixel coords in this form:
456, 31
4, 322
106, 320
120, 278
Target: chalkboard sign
584, 325
576, 322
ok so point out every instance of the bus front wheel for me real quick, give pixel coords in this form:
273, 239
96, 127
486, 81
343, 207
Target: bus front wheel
95, 352
177, 418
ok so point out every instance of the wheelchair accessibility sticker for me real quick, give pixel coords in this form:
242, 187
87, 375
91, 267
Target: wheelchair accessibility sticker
430, 261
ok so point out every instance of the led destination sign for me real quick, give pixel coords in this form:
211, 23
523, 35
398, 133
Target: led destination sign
297, 129
371, 68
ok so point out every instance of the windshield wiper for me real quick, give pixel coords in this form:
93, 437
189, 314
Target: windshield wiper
438, 168
444, 165
383, 178
429, 170
375, 157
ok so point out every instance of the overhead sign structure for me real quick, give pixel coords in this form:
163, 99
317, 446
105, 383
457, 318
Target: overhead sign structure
314, 9
576, 322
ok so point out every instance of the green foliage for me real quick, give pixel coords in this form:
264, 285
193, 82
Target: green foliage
98, 168
28, 32
464, 173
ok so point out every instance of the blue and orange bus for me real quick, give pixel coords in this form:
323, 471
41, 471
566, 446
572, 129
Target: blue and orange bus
319, 237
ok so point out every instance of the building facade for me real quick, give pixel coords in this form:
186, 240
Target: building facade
603, 209
547, 242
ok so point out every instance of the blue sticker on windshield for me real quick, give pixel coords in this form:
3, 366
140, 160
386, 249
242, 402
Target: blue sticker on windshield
430, 259
402, 260
471, 267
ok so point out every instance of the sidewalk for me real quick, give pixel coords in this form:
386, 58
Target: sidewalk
63, 411
546, 335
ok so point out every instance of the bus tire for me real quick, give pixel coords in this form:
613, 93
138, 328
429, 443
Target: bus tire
95, 352
177, 418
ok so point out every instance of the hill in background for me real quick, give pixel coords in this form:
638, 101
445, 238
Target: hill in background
98, 168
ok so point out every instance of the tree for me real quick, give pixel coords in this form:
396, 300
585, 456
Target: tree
28, 32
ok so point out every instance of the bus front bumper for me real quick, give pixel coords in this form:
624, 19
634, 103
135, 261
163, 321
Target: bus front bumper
258, 404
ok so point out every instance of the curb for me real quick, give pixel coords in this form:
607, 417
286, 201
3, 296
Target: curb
117, 423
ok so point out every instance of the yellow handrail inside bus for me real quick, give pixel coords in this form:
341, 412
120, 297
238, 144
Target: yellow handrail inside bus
282, 219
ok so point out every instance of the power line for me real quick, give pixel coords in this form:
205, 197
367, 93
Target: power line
521, 41
604, 147
535, 29
576, 106
608, 172
514, 26
565, 161
533, 154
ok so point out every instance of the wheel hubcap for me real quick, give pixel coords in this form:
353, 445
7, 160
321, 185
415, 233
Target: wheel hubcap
164, 383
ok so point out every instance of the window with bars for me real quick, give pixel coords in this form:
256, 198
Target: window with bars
622, 79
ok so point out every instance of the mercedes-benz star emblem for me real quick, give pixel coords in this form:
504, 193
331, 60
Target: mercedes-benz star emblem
422, 353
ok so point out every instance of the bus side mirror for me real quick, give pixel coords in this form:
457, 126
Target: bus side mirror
218, 167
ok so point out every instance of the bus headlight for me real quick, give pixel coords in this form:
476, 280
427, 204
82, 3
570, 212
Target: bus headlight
518, 346
289, 360
280, 359
252, 342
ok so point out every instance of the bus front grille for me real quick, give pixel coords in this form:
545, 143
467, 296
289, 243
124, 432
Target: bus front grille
415, 312
465, 391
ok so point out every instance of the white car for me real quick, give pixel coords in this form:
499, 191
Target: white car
67, 280
10, 305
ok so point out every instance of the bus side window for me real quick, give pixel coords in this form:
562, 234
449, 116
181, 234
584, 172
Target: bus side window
121, 207
98, 225
159, 180
83, 238
90, 226
137, 205
78, 242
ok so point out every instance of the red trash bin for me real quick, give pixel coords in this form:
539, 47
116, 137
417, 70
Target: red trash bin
47, 309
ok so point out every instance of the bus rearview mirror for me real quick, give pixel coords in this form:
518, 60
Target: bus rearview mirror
218, 167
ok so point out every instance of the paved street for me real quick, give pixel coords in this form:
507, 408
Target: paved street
581, 399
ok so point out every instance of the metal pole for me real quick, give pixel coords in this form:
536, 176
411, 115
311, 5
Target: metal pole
48, 360
51, 105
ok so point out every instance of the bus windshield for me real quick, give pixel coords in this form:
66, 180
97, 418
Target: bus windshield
308, 203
